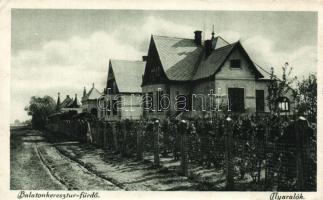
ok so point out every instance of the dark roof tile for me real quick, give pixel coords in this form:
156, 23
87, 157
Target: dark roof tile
183, 60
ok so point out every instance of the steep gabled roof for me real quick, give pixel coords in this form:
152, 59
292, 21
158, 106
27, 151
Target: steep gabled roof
92, 94
67, 102
75, 103
178, 56
207, 67
183, 60
128, 75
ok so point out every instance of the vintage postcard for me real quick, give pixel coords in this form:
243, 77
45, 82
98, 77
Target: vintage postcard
103, 98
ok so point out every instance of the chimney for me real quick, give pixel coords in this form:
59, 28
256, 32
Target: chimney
144, 58
67, 96
208, 47
84, 91
92, 85
198, 37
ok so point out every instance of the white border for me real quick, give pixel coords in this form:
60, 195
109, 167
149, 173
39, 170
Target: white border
256, 5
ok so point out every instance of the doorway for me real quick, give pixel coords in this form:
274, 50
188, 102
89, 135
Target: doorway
236, 99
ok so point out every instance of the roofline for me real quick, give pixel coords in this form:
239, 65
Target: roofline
126, 60
223, 39
248, 57
233, 45
152, 35
226, 57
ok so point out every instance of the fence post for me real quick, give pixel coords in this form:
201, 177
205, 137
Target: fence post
266, 134
95, 125
124, 138
228, 154
139, 141
105, 144
156, 143
300, 128
92, 125
184, 149
101, 134
114, 135
89, 130
99, 128
110, 135
98, 131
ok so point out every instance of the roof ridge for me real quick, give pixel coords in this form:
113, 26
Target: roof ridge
229, 44
171, 37
126, 60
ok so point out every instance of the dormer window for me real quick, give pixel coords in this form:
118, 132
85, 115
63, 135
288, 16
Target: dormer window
235, 64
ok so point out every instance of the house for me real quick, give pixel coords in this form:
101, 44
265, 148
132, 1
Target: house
89, 101
198, 77
68, 104
123, 90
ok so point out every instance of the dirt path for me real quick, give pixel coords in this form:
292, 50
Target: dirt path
126, 172
27, 172
36, 164
49, 162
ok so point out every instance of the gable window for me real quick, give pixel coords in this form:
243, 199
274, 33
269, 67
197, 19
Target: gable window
283, 104
152, 73
155, 73
235, 63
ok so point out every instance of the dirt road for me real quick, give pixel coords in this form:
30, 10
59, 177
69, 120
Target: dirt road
35, 164
42, 161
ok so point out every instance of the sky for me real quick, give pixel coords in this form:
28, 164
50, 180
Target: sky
64, 50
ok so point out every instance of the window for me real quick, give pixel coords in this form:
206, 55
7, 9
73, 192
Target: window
152, 73
160, 103
114, 107
149, 102
235, 63
110, 88
155, 73
283, 104
108, 108
260, 100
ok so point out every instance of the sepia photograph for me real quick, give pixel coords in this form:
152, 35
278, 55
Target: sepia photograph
163, 100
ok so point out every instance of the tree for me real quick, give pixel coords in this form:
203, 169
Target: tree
279, 87
40, 108
306, 97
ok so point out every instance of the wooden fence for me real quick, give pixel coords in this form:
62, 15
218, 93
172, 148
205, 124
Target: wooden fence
279, 154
